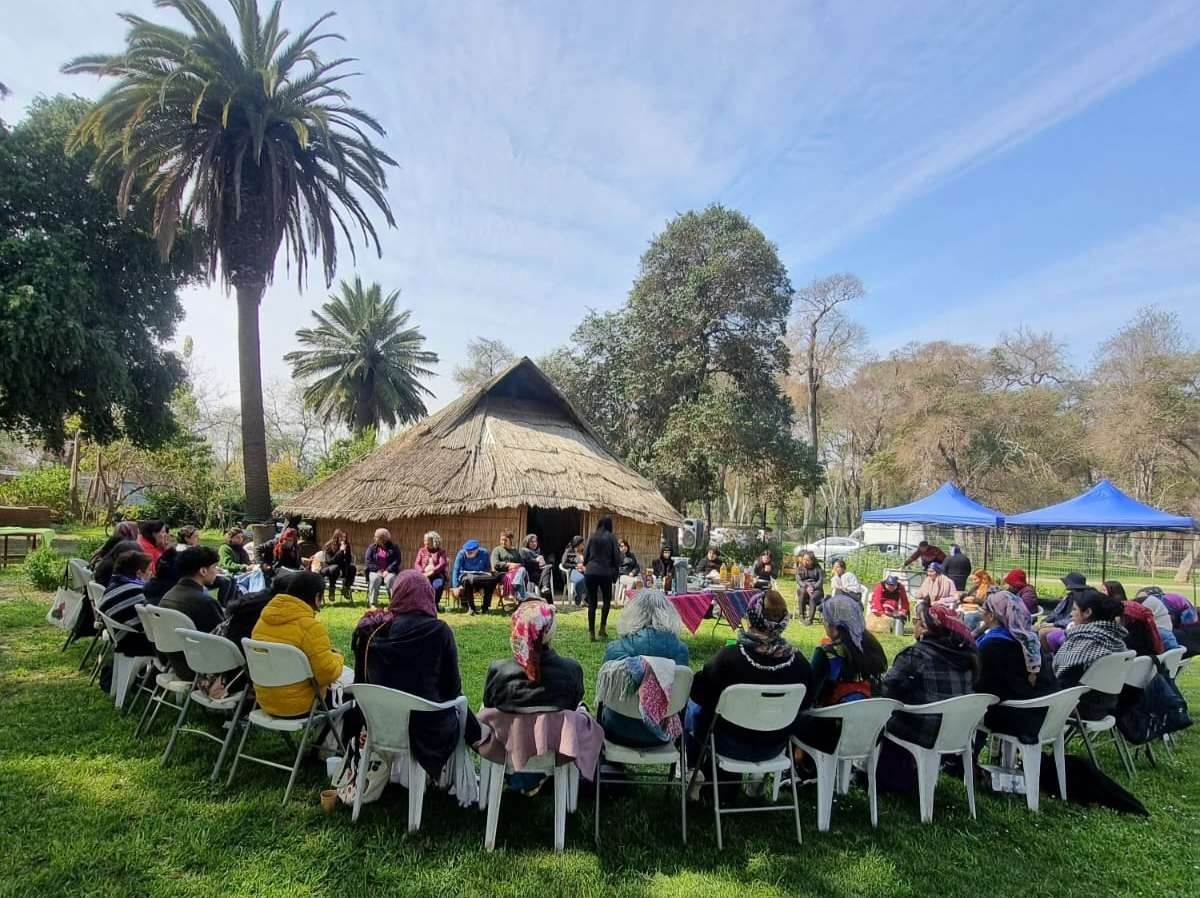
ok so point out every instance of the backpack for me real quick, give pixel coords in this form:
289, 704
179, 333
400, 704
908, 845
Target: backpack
1160, 710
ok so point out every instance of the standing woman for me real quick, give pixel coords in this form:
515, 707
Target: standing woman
339, 562
810, 586
601, 566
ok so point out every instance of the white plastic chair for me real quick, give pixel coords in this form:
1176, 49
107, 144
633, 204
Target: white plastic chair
566, 789
961, 716
1171, 660
276, 664
1108, 675
656, 755
79, 575
126, 668
387, 712
161, 625
764, 709
862, 722
208, 654
94, 594
1059, 706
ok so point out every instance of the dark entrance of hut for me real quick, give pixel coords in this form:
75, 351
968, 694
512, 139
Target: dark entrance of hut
554, 528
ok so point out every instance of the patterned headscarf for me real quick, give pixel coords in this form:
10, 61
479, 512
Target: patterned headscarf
1014, 617
411, 593
532, 626
765, 636
943, 623
1140, 614
845, 614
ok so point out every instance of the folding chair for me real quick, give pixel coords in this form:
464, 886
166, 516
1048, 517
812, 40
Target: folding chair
1058, 706
276, 664
1171, 660
388, 712
126, 668
93, 594
161, 625
764, 709
656, 755
961, 716
861, 723
1107, 675
206, 655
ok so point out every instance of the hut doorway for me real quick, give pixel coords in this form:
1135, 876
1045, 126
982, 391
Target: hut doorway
554, 528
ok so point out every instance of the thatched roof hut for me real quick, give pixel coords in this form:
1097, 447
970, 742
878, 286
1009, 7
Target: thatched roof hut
512, 453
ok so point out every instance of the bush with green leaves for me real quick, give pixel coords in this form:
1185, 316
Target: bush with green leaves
745, 554
44, 568
86, 545
869, 565
49, 486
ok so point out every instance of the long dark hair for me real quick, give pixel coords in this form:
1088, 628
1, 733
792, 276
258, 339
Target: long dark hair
604, 525
1103, 608
1116, 589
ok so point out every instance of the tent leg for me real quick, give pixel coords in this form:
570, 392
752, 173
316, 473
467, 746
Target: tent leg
1104, 555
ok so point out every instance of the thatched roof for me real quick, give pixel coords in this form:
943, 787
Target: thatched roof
514, 441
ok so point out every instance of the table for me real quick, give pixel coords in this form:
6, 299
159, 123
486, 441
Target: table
31, 535
730, 603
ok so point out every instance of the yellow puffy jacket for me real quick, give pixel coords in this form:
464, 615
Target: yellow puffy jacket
289, 620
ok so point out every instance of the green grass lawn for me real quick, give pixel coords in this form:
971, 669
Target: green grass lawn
85, 810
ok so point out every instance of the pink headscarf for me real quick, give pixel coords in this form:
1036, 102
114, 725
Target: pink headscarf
532, 626
411, 593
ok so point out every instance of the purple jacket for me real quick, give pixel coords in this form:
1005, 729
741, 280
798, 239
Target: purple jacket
383, 559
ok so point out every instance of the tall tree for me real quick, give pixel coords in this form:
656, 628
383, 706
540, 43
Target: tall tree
485, 359
86, 305
823, 334
251, 137
364, 363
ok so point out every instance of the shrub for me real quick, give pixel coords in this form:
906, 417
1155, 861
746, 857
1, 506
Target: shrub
44, 568
86, 545
49, 486
130, 512
869, 565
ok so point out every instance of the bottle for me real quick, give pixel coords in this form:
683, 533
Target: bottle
724, 572
735, 572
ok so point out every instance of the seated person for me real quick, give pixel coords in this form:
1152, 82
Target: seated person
1075, 583
1022, 589
648, 627
198, 570
536, 677
290, 618
928, 554
889, 601
764, 570
125, 591
1096, 631
849, 661
1153, 600
102, 570
154, 538
938, 589
125, 531
573, 564
1010, 665
845, 582
381, 563
710, 567
760, 656
285, 552
411, 650
1141, 630
970, 607
506, 562
540, 570
337, 562
810, 586
664, 568
232, 554
473, 570
432, 561
630, 569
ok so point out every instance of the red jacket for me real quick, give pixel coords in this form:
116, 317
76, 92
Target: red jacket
899, 598
152, 550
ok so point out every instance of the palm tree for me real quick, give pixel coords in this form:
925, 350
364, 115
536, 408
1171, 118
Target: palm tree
364, 359
253, 143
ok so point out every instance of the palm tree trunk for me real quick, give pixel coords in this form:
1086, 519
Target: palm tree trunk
254, 432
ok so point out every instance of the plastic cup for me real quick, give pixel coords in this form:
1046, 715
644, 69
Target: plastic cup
328, 800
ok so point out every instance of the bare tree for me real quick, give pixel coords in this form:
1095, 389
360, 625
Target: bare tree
823, 336
485, 359
1023, 358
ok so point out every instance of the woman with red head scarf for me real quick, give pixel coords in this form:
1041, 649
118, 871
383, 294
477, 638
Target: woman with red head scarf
1021, 588
536, 676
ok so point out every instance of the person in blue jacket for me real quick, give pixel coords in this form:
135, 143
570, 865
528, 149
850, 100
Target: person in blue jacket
473, 570
648, 626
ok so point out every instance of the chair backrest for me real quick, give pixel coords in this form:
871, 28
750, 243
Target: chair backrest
861, 722
1171, 660
275, 663
147, 620
763, 708
628, 706
960, 717
79, 574
1140, 672
116, 629
95, 592
1059, 706
387, 712
209, 654
1108, 674
166, 622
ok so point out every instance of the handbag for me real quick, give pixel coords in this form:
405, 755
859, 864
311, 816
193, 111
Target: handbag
1160, 710
64, 608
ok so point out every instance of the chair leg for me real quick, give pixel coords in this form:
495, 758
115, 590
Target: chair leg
968, 763
87, 654
485, 779
162, 700
1087, 744
843, 782
573, 790
872, 787
187, 703
716, 793
1031, 769
1060, 765
233, 725
795, 799
683, 787
597, 783
299, 758
360, 778
416, 793
495, 792
562, 789
1125, 754
137, 731
237, 756
928, 764
827, 773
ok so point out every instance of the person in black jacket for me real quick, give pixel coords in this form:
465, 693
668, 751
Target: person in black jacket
957, 567
601, 566
126, 590
339, 562
810, 587
198, 569
536, 676
1010, 666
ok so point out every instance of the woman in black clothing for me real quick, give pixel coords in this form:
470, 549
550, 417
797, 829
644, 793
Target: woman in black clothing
810, 587
339, 562
1010, 666
601, 566
535, 676
1097, 632
664, 568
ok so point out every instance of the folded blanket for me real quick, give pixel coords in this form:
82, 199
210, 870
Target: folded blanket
652, 679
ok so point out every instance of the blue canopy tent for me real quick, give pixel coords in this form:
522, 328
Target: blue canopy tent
1102, 508
946, 505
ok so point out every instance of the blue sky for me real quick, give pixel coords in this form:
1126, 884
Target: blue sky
980, 165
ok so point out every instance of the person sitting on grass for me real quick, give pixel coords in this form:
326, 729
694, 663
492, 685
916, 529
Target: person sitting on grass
938, 589
889, 602
535, 676
648, 627
1096, 631
1020, 587
432, 562
126, 590
198, 569
290, 618
473, 570
506, 562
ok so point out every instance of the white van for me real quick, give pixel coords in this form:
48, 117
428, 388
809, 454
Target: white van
870, 533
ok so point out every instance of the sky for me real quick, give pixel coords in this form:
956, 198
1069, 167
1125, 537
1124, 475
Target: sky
980, 165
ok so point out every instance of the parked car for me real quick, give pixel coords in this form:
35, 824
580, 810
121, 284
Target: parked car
830, 546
